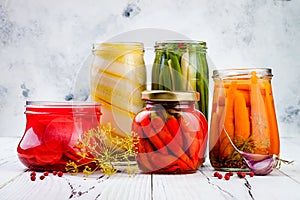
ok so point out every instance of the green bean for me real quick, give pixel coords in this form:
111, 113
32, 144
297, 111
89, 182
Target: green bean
156, 70
176, 72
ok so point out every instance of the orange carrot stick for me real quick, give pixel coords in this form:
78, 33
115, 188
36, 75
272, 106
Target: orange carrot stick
274, 137
241, 119
259, 118
246, 95
226, 148
214, 135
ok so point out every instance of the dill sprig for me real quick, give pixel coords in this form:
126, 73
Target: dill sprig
98, 149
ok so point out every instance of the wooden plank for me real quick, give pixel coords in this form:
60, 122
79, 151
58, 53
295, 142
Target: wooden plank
96, 186
290, 148
273, 186
185, 186
10, 166
122, 187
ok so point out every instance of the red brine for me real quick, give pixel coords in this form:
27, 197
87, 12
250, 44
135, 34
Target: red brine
52, 132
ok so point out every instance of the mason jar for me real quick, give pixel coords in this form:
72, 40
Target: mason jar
172, 134
53, 130
243, 115
118, 76
181, 65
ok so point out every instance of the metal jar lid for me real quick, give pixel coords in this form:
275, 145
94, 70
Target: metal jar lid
164, 95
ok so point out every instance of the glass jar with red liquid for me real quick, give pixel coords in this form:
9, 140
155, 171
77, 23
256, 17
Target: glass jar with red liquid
53, 130
172, 134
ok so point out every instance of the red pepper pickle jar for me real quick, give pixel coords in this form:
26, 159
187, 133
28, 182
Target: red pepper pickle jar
172, 134
52, 131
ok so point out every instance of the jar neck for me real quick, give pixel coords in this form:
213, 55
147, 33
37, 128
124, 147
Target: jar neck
62, 108
118, 47
170, 104
181, 46
242, 73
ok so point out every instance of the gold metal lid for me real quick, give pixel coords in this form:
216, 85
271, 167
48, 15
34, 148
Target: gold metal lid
164, 95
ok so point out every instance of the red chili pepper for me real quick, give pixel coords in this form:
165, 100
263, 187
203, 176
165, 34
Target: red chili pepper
167, 138
174, 129
161, 162
202, 139
190, 129
143, 146
151, 134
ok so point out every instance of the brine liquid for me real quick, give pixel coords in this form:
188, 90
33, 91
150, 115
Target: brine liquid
51, 135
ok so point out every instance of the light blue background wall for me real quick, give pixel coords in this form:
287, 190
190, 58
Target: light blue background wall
44, 45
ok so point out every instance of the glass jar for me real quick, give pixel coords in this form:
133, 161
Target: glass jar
181, 65
242, 109
172, 134
52, 132
118, 76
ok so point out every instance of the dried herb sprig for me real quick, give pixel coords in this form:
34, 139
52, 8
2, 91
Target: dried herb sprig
98, 149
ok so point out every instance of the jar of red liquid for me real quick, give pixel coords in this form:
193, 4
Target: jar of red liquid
172, 133
52, 131
242, 111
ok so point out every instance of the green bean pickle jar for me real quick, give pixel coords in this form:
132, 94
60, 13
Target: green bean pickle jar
172, 134
182, 66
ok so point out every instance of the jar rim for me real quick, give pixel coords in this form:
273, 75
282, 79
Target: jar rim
165, 95
234, 72
116, 45
62, 104
180, 43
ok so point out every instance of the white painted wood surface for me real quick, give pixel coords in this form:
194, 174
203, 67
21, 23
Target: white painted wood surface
15, 182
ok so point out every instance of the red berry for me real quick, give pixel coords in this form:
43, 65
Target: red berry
46, 173
42, 177
54, 173
60, 174
220, 176
242, 174
227, 177
33, 178
230, 173
251, 174
216, 174
239, 174
32, 173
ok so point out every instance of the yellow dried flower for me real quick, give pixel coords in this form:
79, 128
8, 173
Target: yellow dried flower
99, 149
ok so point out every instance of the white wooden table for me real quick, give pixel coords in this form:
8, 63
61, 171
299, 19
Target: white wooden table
15, 182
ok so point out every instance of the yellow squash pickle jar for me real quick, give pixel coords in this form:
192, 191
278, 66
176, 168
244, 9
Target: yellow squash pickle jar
172, 133
118, 76
242, 109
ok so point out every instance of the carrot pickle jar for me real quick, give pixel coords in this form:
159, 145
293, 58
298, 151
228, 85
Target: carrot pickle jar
243, 115
172, 134
52, 132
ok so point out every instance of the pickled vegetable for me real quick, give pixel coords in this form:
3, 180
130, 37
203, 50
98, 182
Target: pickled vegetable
171, 140
182, 66
243, 110
52, 133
